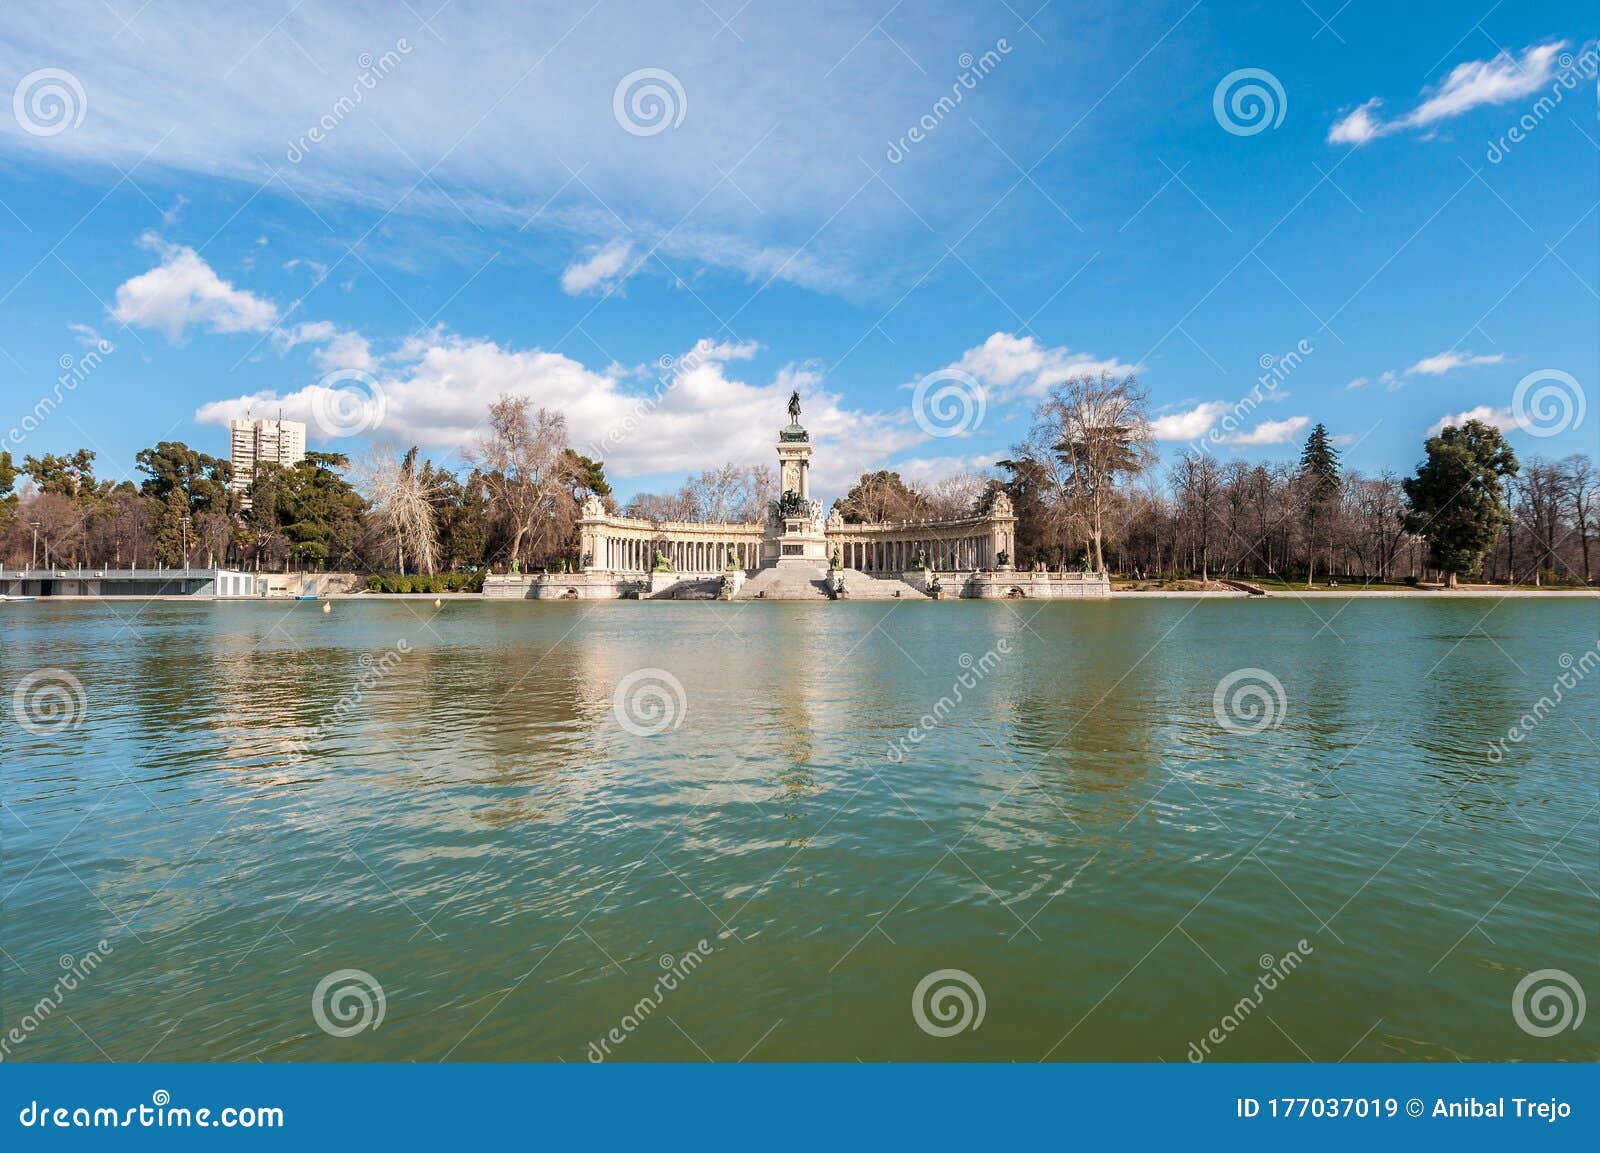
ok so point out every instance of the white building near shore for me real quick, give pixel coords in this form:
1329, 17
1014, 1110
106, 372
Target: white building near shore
281, 442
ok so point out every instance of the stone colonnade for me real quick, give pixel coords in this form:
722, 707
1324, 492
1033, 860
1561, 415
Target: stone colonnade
629, 545
970, 544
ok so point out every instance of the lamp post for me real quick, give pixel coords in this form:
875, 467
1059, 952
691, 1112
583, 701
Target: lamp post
33, 561
185, 523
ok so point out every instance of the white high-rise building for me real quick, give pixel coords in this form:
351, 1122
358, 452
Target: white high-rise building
276, 441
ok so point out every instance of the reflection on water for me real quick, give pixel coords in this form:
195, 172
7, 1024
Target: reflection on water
258, 795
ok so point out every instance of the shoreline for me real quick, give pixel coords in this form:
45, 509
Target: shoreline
1115, 595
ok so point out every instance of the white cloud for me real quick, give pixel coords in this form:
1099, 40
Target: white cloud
1191, 424
1211, 420
1472, 84
1447, 361
437, 391
741, 184
345, 350
184, 290
1359, 126
1497, 81
1358, 382
87, 335
1500, 418
602, 271
1010, 366
1391, 380
1269, 432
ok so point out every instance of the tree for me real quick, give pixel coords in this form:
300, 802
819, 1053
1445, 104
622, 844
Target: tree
8, 498
1197, 481
170, 532
587, 475
1319, 475
1089, 435
202, 479
1042, 530
526, 469
1582, 485
877, 497
953, 496
306, 511
68, 476
1456, 496
463, 517
659, 507
401, 499
731, 493
1540, 492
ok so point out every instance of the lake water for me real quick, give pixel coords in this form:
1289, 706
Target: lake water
253, 797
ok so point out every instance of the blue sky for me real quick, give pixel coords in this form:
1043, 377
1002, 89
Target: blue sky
494, 214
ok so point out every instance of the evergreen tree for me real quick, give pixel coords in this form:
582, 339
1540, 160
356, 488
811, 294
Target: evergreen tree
1457, 498
587, 475
1319, 472
8, 498
169, 533
202, 479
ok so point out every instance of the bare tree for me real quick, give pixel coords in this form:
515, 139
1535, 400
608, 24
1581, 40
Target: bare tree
953, 496
730, 493
1197, 481
401, 498
1089, 435
1583, 491
524, 465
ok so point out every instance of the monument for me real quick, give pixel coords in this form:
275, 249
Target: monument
795, 553
795, 534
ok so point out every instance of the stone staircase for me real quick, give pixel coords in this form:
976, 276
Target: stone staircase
860, 586
796, 581
787, 581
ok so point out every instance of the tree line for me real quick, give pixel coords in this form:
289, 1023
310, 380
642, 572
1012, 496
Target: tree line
1085, 482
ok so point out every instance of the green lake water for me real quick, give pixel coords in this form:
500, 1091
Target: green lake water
251, 797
